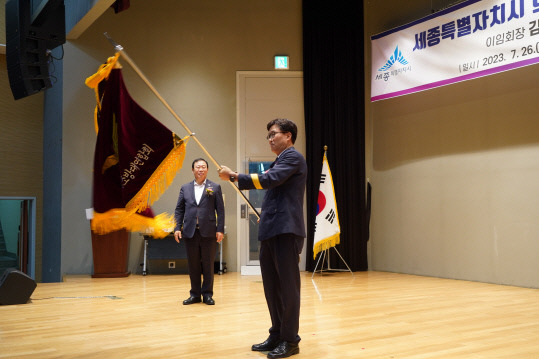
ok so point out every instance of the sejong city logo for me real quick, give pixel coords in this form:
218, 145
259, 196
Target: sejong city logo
396, 57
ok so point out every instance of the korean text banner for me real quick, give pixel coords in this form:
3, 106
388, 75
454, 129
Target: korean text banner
472, 39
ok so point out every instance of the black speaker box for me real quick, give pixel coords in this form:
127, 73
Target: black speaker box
29, 43
163, 266
161, 252
15, 287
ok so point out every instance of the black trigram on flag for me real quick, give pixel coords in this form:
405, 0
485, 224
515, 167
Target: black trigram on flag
331, 216
322, 178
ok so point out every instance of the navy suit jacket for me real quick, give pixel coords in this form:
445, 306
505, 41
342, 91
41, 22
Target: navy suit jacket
210, 211
282, 207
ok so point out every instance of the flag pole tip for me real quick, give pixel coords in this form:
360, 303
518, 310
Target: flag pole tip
325, 148
117, 46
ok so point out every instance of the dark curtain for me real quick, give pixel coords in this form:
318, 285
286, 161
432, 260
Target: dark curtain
334, 98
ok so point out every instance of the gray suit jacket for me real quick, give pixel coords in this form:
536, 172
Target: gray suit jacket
210, 211
282, 208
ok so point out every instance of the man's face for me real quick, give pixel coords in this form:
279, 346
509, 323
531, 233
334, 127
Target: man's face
200, 171
278, 140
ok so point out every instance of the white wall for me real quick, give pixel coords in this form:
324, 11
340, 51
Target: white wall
190, 51
455, 172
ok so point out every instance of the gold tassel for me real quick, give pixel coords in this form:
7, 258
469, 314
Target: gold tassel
159, 181
115, 219
102, 73
93, 82
326, 243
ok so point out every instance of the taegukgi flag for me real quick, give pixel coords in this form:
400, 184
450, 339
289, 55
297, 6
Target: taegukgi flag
327, 229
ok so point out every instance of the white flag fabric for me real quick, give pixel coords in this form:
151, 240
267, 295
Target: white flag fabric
327, 229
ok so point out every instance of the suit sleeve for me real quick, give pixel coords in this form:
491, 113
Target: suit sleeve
285, 167
179, 213
220, 209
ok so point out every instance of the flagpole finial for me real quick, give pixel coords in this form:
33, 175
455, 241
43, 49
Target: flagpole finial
117, 46
325, 148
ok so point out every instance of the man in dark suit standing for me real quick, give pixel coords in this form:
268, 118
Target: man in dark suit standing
200, 220
281, 232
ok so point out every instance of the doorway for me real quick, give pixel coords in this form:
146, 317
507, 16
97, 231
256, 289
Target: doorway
261, 97
17, 234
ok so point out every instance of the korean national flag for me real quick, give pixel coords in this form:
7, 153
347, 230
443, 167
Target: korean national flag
327, 229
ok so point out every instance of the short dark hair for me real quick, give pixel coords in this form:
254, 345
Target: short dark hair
199, 159
286, 126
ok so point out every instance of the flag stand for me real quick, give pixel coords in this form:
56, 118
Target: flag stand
323, 254
329, 229
120, 49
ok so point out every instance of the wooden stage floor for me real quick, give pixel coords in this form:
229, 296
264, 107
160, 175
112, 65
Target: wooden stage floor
368, 315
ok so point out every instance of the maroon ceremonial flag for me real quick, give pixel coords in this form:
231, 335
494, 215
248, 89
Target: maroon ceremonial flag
136, 159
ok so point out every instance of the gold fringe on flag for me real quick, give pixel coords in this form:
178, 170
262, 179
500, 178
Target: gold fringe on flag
159, 181
93, 82
160, 226
326, 243
128, 217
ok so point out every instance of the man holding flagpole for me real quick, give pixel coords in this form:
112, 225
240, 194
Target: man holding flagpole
281, 233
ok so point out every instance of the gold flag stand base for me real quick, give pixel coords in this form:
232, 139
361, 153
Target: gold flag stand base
325, 254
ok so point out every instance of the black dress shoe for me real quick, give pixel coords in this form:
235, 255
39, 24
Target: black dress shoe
191, 300
284, 350
209, 301
267, 345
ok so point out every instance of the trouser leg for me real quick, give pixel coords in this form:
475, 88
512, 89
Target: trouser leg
279, 263
272, 290
208, 248
192, 246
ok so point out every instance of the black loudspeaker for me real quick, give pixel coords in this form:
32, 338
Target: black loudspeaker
29, 42
15, 287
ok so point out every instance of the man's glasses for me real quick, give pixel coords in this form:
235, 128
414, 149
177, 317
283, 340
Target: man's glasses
272, 134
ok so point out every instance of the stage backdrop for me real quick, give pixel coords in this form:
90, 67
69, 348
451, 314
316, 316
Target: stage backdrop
333, 56
471, 39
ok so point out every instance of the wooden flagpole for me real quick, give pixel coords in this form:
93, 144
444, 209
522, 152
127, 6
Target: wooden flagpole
120, 49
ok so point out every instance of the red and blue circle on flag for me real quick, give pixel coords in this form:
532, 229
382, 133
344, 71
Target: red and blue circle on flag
321, 202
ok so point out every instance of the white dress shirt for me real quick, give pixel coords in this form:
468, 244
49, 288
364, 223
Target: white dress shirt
199, 190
